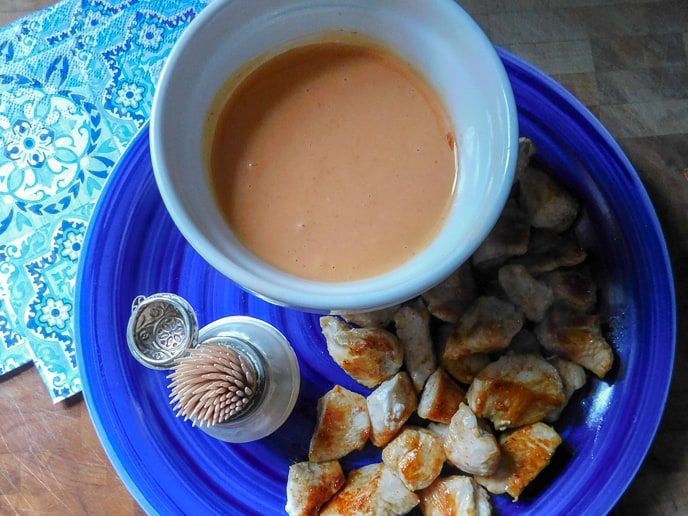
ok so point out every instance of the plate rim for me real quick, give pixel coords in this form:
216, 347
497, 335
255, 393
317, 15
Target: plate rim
138, 146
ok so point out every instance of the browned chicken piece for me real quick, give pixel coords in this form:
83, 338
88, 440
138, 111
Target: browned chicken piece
457, 495
310, 485
487, 326
390, 406
373, 490
516, 390
533, 297
549, 250
572, 378
413, 331
374, 319
448, 300
416, 456
508, 238
548, 204
440, 398
577, 337
524, 342
526, 451
526, 150
462, 369
465, 368
470, 444
368, 355
342, 425
573, 287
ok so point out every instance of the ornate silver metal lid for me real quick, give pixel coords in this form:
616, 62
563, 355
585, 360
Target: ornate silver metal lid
161, 328
161, 333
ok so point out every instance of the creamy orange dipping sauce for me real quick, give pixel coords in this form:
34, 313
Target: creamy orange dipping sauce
334, 162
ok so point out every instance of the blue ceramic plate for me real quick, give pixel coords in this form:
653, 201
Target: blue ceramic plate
133, 248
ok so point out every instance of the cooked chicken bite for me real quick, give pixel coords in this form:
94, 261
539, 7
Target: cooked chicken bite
457, 495
487, 326
439, 429
449, 299
526, 451
440, 398
546, 201
549, 250
373, 319
342, 425
508, 238
526, 150
310, 485
531, 296
390, 406
462, 369
573, 287
416, 456
413, 331
372, 490
470, 444
516, 390
577, 337
368, 355
572, 378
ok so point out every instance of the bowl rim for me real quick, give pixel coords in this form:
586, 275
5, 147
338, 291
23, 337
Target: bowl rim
393, 287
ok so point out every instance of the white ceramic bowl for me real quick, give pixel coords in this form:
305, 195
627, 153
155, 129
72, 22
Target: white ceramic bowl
436, 36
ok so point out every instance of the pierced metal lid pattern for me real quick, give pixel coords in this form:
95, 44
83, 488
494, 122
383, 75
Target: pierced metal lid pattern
162, 327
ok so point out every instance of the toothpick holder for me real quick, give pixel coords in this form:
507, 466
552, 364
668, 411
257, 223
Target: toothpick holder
236, 378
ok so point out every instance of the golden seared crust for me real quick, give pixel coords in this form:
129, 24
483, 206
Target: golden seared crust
526, 452
390, 406
454, 495
310, 485
440, 398
464, 368
416, 456
487, 326
369, 355
516, 390
343, 425
371, 490
577, 337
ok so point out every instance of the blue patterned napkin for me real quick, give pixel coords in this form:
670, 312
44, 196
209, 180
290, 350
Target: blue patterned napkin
76, 84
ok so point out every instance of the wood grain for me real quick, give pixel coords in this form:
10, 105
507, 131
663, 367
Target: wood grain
11, 10
627, 61
51, 460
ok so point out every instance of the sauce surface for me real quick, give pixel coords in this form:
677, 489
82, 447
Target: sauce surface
334, 162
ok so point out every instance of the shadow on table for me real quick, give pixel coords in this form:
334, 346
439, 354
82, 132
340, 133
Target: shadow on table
659, 486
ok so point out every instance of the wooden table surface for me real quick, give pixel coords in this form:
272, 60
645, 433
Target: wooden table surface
626, 60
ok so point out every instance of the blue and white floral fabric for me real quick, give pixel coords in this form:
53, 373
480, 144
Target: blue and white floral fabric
76, 85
